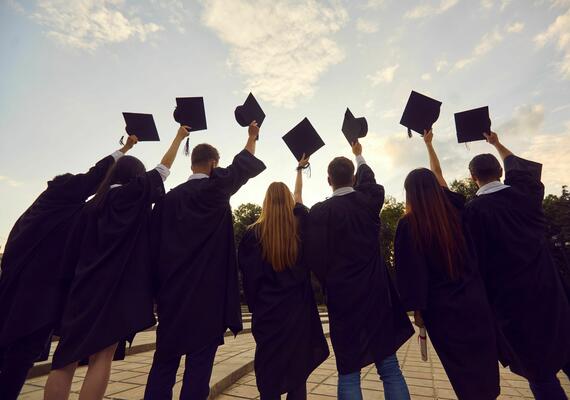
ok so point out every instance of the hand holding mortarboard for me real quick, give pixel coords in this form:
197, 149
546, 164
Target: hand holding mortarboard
131, 141
356, 148
420, 113
249, 112
303, 139
141, 125
252, 135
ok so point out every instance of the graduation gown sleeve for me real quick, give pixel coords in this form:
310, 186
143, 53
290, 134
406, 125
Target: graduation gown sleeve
249, 263
366, 183
519, 174
411, 270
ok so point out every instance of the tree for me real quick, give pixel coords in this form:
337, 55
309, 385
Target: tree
467, 187
391, 213
557, 213
243, 216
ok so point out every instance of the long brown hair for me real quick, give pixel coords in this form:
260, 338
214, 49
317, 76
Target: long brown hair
434, 222
277, 228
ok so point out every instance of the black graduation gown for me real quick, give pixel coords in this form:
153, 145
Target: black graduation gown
367, 321
289, 338
32, 287
198, 294
523, 286
110, 299
456, 312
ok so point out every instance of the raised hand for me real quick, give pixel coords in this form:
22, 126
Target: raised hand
253, 130
428, 136
303, 162
131, 141
356, 148
492, 138
183, 132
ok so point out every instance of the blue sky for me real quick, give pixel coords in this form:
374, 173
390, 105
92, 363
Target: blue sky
69, 68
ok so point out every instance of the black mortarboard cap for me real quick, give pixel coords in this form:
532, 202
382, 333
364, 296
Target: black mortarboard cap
141, 125
303, 139
248, 112
420, 113
190, 111
354, 128
471, 124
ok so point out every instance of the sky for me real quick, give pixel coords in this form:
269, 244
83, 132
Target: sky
68, 68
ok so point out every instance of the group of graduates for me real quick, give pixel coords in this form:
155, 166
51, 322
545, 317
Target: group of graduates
477, 276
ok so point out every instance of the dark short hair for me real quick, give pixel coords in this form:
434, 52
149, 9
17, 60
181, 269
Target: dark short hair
485, 167
341, 172
203, 153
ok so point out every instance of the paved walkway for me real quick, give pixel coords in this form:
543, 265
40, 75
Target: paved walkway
426, 380
233, 377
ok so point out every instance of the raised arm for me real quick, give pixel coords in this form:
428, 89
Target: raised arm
299, 180
252, 135
170, 155
434, 164
493, 139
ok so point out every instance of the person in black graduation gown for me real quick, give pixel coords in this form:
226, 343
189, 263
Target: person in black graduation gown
110, 298
530, 309
367, 321
32, 288
198, 295
289, 338
438, 279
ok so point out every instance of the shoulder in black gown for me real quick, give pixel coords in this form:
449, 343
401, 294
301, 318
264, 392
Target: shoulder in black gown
110, 299
285, 320
455, 311
32, 286
523, 286
198, 294
367, 322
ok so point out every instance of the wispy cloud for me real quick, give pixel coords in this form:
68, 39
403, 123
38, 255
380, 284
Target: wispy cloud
281, 48
374, 4
429, 10
366, 26
558, 32
515, 27
384, 75
426, 76
88, 24
10, 182
485, 45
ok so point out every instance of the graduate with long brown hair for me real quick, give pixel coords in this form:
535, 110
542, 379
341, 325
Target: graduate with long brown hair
438, 279
277, 285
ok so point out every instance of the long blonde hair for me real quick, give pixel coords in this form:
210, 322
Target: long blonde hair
277, 228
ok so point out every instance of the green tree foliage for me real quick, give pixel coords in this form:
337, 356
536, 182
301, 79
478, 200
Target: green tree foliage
391, 213
467, 187
243, 216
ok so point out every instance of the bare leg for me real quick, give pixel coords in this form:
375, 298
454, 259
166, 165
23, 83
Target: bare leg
58, 384
98, 372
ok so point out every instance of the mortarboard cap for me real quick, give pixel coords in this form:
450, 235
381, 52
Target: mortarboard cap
248, 112
303, 138
141, 125
190, 111
471, 124
420, 113
354, 128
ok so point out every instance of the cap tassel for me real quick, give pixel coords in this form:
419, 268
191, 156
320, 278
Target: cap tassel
409, 133
187, 147
122, 142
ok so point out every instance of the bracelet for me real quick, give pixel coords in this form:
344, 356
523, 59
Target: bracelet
300, 168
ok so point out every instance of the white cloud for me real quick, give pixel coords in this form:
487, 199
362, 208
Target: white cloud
88, 24
441, 65
429, 10
384, 75
515, 27
487, 43
282, 48
178, 15
366, 26
10, 182
526, 121
559, 33
426, 77
487, 4
374, 4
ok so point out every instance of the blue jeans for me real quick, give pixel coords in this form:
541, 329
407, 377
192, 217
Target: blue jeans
395, 387
547, 389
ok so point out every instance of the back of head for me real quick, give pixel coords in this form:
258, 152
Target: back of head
434, 222
204, 153
122, 172
341, 172
485, 168
277, 227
